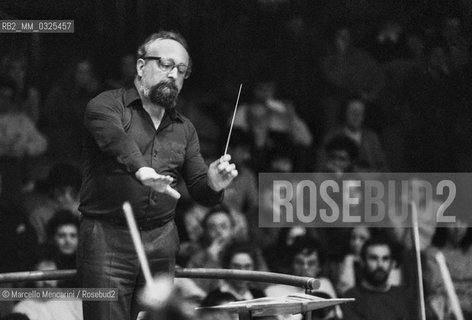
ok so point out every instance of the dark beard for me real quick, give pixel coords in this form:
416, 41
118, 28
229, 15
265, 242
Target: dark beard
164, 94
376, 278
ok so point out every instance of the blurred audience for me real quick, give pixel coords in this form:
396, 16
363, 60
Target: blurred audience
268, 119
64, 108
26, 97
59, 191
371, 156
49, 309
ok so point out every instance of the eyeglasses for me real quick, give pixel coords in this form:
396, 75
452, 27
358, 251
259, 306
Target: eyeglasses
167, 65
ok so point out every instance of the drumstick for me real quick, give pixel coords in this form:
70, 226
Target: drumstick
232, 121
138, 245
416, 237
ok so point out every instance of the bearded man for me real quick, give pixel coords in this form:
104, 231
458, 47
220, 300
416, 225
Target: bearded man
136, 146
375, 297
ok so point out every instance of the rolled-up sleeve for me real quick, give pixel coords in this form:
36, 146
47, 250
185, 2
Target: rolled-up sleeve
195, 172
103, 120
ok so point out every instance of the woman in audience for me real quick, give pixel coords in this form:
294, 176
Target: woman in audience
239, 256
349, 269
455, 243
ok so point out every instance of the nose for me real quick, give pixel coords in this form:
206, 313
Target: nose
173, 73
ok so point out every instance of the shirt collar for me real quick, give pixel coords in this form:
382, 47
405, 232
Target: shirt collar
132, 95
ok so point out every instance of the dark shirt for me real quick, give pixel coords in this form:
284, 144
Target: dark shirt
373, 305
120, 138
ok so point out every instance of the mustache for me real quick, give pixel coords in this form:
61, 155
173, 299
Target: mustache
167, 84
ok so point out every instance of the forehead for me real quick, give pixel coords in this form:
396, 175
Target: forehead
241, 258
356, 106
306, 256
379, 250
67, 228
169, 49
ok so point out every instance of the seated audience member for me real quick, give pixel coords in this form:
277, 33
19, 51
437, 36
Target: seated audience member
285, 239
218, 226
282, 157
267, 119
239, 256
306, 261
455, 243
350, 68
341, 155
63, 231
375, 297
27, 98
350, 268
63, 234
371, 156
52, 309
60, 191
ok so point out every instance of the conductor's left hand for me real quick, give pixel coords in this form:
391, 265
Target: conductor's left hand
221, 173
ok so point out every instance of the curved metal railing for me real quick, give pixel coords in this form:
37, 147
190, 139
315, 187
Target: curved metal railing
256, 276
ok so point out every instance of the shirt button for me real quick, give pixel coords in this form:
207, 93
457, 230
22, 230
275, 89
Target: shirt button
155, 154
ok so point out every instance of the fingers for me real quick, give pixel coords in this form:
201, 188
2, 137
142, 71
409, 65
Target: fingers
172, 192
224, 167
163, 179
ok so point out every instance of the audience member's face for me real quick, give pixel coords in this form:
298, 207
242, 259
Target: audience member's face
306, 265
359, 235
355, 115
159, 86
241, 261
46, 265
219, 227
378, 264
66, 239
338, 161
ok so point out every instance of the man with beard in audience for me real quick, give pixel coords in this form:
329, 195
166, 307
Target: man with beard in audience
375, 297
136, 146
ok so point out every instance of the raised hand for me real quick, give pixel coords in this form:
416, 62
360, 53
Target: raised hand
221, 173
